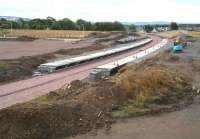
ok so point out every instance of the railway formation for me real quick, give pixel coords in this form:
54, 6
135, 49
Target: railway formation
25, 90
60, 64
106, 70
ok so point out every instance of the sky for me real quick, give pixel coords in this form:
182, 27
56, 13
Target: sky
105, 10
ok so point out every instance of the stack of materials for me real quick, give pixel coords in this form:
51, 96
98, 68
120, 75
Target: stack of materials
106, 70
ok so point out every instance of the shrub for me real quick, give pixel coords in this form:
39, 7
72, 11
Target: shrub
154, 85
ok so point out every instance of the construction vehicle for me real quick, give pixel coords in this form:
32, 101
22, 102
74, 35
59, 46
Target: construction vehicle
179, 45
178, 48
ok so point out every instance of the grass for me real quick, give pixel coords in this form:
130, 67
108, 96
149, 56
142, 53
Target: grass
170, 34
175, 58
194, 34
46, 33
3, 32
42, 99
4, 64
152, 86
130, 111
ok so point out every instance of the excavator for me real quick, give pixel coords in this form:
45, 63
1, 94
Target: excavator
179, 44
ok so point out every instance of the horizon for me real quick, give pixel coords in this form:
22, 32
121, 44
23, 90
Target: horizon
126, 23
95, 11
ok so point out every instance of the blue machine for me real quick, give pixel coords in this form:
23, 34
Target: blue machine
178, 48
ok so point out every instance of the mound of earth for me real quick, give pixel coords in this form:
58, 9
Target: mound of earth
79, 107
26, 38
71, 111
17, 69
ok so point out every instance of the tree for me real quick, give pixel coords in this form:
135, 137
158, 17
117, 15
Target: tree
22, 24
132, 27
65, 24
38, 24
174, 26
109, 26
148, 28
6, 24
118, 26
84, 24
51, 19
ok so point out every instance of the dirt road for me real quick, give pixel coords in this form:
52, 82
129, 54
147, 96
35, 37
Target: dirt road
25, 90
184, 124
16, 49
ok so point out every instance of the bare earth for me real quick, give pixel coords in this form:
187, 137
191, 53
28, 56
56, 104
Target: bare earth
182, 124
17, 49
25, 90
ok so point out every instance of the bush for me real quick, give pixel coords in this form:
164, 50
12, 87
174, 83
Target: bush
174, 26
158, 85
148, 28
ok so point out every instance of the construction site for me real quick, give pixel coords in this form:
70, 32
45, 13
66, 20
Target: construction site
94, 90
98, 78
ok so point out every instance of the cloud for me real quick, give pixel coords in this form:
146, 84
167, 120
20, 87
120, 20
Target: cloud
105, 10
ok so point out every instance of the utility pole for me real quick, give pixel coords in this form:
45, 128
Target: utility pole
83, 30
11, 28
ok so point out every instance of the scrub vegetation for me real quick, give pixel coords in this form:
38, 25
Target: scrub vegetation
194, 34
170, 34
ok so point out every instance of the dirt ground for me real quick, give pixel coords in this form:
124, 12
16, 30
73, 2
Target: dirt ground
181, 124
169, 34
40, 51
16, 49
23, 67
160, 84
32, 47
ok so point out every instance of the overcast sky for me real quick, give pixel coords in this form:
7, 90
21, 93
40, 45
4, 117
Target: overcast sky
105, 10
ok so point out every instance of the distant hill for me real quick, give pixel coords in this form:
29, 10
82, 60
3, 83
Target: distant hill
13, 18
146, 23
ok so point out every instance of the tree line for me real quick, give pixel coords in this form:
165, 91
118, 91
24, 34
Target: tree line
171, 26
64, 24
67, 24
